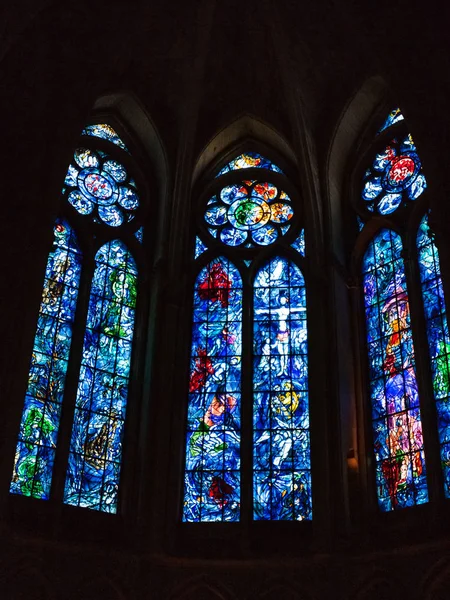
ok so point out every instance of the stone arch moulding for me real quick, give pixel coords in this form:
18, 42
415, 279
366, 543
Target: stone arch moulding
347, 133
136, 119
244, 127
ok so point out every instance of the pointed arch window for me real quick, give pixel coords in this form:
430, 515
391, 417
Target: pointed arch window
393, 190
90, 288
248, 383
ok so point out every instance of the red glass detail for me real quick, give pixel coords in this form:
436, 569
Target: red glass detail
215, 286
203, 367
401, 169
219, 490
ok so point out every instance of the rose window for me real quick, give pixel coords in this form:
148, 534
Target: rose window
395, 177
100, 186
249, 213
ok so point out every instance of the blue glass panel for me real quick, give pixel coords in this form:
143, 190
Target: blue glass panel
139, 235
38, 434
394, 179
249, 213
249, 160
199, 247
396, 423
99, 186
299, 243
281, 446
438, 338
393, 117
212, 480
105, 132
93, 471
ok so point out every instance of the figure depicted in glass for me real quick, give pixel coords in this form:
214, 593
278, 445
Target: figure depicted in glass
35, 452
396, 419
438, 338
212, 477
281, 447
96, 444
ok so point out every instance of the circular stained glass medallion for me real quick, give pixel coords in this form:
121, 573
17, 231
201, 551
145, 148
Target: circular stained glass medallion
101, 187
249, 213
394, 179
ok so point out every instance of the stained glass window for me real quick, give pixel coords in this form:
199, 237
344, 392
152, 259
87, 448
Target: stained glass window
299, 243
281, 448
35, 451
393, 117
96, 443
438, 338
100, 186
249, 160
105, 132
212, 477
249, 213
396, 418
395, 177
199, 247
245, 216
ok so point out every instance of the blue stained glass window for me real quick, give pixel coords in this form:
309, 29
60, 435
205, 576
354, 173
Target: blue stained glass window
396, 419
393, 117
106, 132
395, 178
249, 160
299, 243
249, 214
438, 338
212, 474
199, 247
281, 445
35, 451
139, 235
99, 186
93, 471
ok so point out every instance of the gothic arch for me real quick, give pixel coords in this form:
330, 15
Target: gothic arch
244, 128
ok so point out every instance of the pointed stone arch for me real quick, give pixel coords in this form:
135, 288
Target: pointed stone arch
243, 129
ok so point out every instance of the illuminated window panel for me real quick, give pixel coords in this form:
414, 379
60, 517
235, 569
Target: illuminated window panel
281, 443
438, 338
249, 160
212, 473
396, 419
299, 243
249, 214
35, 451
393, 117
395, 178
99, 186
105, 132
93, 472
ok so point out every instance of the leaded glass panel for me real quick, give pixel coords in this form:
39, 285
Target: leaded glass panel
105, 132
395, 177
212, 475
396, 419
438, 338
93, 471
249, 160
281, 446
35, 451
